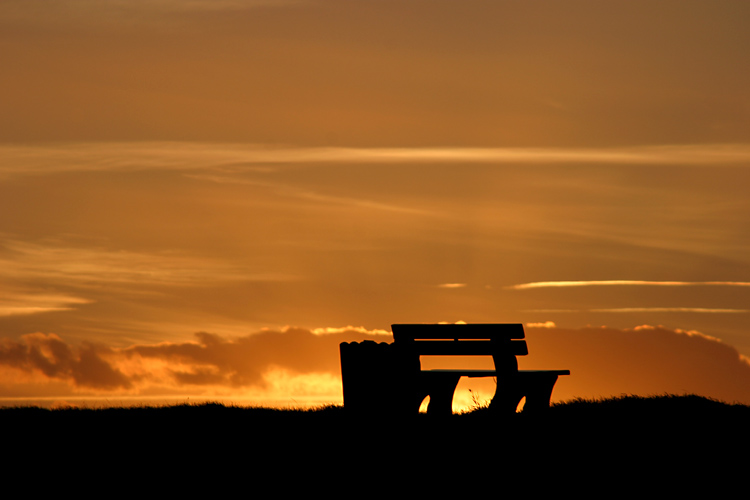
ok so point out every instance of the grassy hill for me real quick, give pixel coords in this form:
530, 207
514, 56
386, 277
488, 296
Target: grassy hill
665, 439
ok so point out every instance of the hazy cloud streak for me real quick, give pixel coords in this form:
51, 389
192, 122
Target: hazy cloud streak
560, 284
23, 302
57, 263
122, 156
672, 309
309, 195
645, 309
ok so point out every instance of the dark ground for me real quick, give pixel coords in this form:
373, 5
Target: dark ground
663, 445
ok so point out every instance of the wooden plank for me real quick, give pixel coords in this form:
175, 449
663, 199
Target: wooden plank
491, 373
464, 373
468, 347
556, 372
477, 331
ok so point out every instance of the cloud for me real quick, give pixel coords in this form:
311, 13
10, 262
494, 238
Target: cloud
645, 361
82, 12
561, 284
546, 324
243, 361
21, 302
191, 156
452, 285
57, 263
349, 329
253, 361
305, 194
275, 363
708, 310
48, 355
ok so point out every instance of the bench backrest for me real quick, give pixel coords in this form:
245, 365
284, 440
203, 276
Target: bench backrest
501, 341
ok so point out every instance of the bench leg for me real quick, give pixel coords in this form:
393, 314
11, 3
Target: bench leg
440, 388
539, 392
508, 394
536, 387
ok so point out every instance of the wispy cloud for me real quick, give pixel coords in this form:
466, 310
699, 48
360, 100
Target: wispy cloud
672, 309
676, 154
19, 303
57, 263
306, 194
358, 329
452, 285
558, 284
82, 11
50, 158
545, 324
646, 309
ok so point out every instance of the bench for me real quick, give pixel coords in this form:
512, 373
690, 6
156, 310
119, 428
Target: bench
391, 374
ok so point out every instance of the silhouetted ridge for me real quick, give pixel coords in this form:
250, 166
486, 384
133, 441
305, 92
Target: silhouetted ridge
607, 441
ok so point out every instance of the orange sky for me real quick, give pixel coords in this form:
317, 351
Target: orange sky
172, 167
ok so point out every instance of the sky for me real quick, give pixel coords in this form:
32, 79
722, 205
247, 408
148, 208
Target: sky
203, 198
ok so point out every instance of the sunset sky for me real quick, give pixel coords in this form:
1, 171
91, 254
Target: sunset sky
204, 197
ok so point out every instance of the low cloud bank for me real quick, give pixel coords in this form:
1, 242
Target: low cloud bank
644, 361
603, 362
210, 363
48, 358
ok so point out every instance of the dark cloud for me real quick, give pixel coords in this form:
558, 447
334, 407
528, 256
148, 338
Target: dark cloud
242, 362
643, 361
49, 355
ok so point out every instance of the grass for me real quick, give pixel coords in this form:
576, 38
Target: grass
625, 408
654, 415
663, 444
611, 440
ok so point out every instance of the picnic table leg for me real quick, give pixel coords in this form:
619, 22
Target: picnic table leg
539, 388
508, 393
440, 388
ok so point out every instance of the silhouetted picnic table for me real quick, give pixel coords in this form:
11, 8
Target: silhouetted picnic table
381, 377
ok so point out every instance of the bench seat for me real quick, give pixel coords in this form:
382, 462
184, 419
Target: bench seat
489, 373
